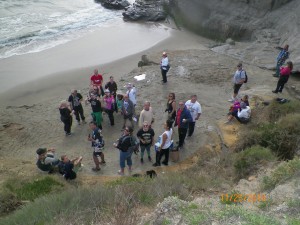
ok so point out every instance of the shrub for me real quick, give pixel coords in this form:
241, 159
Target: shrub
282, 137
281, 174
277, 110
246, 162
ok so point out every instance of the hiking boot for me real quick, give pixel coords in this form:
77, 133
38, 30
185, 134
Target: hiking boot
142, 160
275, 92
149, 158
96, 169
103, 163
165, 163
156, 164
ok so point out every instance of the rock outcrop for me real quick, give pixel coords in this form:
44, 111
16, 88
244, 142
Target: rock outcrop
146, 10
114, 4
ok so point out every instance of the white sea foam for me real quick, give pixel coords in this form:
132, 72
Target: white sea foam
33, 26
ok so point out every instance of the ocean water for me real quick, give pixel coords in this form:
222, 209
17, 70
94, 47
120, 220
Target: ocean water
28, 26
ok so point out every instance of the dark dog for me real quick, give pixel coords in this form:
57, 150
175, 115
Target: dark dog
149, 173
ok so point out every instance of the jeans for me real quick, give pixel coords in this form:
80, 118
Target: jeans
125, 156
143, 148
79, 111
182, 133
164, 75
191, 128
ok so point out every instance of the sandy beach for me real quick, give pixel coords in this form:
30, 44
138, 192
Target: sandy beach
29, 114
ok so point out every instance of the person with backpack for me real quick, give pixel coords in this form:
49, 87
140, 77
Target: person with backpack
125, 144
239, 78
97, 141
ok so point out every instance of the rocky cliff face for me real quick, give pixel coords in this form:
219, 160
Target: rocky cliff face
267, 23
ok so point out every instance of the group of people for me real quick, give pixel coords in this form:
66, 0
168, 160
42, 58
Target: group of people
107, 99
240, 108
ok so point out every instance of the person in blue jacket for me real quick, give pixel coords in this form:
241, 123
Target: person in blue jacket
183, 117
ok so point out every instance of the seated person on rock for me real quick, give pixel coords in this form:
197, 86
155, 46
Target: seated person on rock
68, 168
242, 114
46, 159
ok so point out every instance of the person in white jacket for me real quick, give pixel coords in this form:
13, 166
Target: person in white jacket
244, 113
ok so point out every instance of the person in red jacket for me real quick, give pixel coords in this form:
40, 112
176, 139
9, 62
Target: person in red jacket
284, 77
97, 79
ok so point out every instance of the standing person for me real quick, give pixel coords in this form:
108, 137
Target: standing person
109, 101
171, 107
123, 144
238, 80
183, 117
127, 111
195, 109
146, 137
111, 85
75, 99
97, 79
97, 145
284, 77
146, 115
66, 116
97, 110
165, 143
282, 56
164, 67
131, 92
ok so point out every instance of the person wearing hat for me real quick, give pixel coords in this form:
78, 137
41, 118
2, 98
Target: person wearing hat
109, 101
238, 80
242, 114
164, 67
46, 159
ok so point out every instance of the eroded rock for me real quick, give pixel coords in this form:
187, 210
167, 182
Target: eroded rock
146, 10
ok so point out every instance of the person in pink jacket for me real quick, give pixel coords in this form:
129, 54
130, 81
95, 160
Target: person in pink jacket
284, 77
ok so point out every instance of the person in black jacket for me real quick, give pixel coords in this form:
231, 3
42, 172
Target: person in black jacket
75, 100
67, 167
66, 116
123, 144
111, 85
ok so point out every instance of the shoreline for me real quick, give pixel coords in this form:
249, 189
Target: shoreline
106, 44
61, 82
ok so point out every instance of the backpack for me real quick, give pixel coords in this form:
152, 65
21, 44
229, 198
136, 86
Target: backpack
246, 77
134, 147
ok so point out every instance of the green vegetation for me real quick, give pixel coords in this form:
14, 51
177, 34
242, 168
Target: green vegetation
281, 174
282, 137
277, 110
247, 162
17, 191
245, 216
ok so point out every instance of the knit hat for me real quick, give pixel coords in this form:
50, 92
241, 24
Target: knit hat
41, 151
243, 105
